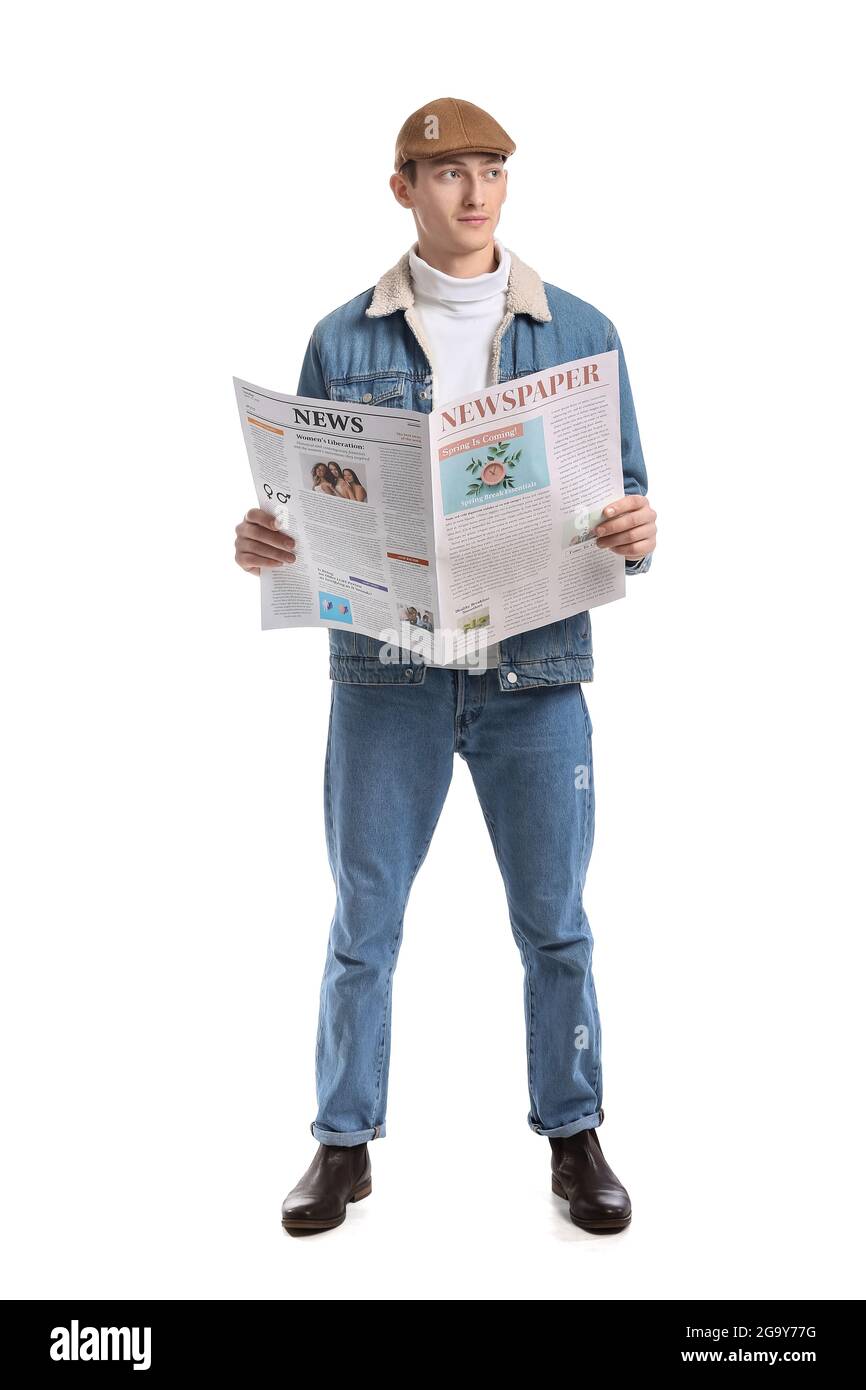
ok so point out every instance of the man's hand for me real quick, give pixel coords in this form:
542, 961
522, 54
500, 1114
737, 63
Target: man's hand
628, 527
260, 543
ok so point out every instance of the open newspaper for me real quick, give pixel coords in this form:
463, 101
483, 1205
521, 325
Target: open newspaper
441, 532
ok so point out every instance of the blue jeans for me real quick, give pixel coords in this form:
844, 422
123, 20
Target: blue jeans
388, 767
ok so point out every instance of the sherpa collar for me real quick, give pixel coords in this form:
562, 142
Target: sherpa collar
524, 293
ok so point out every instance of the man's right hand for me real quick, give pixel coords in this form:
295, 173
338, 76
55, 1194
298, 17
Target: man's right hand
260, 543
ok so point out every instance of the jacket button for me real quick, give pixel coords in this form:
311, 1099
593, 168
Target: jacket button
512, 677
368, 396
407, 671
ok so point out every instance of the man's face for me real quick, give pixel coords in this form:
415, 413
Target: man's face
456, 201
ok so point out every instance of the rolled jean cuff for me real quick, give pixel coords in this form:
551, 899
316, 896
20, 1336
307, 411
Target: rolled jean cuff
574, 1127
345, 1138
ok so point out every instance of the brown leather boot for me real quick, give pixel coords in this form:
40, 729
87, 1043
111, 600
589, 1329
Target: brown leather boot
597, 1200
338, 1174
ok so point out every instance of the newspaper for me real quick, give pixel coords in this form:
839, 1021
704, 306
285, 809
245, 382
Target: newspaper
443, 532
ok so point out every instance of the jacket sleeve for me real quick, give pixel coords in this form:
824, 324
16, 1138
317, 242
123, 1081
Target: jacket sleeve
634, 473
312, 379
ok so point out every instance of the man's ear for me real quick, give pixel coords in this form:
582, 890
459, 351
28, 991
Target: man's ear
400, 189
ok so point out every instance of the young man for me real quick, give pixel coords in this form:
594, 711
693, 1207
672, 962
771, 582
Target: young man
459, 312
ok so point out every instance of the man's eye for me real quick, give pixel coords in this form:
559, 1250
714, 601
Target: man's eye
497, 173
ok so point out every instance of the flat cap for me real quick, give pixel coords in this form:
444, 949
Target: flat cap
449, 126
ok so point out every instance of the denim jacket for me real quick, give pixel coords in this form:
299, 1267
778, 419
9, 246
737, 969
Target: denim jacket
373, 349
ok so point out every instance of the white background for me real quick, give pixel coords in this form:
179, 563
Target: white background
192, 188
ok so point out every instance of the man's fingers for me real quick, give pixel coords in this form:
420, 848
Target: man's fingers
252, 563
264, 533
626, 520
629, 539
261, 517
252, 531
251, 527
625, 504
643, 548
262, 551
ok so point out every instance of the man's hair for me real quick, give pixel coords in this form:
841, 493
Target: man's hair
409, 170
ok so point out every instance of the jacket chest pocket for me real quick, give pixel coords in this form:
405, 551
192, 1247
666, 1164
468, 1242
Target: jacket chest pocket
370, 388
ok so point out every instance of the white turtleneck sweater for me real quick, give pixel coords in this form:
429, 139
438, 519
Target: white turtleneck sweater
460, 317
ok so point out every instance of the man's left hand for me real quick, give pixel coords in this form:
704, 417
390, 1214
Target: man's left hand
628, 527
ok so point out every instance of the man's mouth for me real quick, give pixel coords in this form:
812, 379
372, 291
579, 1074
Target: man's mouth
473, 221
